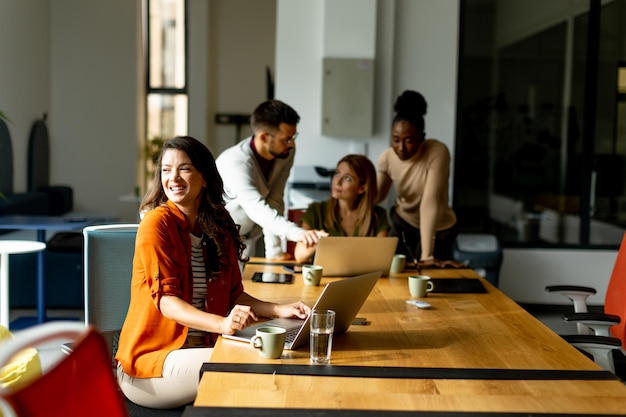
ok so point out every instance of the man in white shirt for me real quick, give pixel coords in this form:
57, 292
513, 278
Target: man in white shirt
255, 173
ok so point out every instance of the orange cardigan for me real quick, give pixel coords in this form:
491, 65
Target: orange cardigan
162, 266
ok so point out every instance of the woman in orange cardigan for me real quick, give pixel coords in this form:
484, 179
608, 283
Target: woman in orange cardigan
186, 285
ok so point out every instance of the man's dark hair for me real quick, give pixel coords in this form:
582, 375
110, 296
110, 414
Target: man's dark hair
270, 114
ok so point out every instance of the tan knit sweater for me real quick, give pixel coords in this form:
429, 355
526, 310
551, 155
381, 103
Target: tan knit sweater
421, 184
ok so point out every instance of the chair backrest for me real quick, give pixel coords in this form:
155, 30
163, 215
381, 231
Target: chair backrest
615, 299
6, 160
38, 156
80, 384
109, 251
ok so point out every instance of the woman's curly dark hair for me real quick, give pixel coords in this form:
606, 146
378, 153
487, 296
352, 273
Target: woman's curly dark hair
411, 106
213, 218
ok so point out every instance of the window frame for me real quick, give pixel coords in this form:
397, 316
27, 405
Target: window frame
151, 143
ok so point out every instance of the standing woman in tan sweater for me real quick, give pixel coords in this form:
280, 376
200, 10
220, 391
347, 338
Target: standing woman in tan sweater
419, 170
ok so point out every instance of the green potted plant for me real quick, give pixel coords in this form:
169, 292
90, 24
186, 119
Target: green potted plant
151, 150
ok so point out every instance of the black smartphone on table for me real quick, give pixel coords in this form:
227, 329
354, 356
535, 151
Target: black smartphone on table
272, 278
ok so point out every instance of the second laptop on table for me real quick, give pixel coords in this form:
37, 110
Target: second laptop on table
347, 256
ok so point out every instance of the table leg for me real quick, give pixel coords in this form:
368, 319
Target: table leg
4, 289
41, 279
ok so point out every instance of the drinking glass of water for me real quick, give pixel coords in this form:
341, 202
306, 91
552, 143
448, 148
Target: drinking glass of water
321, 338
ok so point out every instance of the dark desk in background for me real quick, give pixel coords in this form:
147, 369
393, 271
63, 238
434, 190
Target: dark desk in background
42, 224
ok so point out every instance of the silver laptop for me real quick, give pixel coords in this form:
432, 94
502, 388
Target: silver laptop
346, 256
345, 297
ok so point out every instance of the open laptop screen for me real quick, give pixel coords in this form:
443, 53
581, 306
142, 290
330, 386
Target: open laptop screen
345, 256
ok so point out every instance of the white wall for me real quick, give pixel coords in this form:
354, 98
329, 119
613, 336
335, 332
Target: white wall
24, 73
426, 60
95, 84
198, 33
299, 51
407, 58
241, 44
356, 40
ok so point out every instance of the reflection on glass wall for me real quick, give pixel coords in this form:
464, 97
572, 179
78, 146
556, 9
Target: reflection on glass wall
523, 107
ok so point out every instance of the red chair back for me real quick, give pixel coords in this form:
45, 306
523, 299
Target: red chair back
81, 384
615, 301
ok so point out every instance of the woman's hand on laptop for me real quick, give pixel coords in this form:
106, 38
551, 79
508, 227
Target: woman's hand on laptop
297, 310
239, 318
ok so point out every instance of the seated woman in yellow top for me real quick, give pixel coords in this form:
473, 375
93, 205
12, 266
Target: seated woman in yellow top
351, 210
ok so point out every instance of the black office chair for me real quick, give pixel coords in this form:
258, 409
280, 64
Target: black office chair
60, 197
31, 203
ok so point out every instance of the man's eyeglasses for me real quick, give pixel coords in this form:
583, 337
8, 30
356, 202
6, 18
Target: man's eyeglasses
287, 141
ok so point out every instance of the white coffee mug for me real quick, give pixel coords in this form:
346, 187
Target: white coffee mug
312, 274
397, 264
420, 285
269, 341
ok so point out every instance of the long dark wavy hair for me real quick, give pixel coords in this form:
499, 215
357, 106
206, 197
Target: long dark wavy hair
213, 218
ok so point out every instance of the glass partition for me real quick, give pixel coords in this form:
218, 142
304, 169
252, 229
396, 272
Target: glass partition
524, 168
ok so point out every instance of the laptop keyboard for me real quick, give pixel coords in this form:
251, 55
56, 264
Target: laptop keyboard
291, 334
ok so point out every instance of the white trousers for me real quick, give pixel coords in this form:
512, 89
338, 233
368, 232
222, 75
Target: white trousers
177, 387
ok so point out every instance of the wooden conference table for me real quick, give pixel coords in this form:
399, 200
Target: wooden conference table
468, 354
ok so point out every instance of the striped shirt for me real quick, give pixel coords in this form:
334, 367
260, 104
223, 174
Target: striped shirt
198, 269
